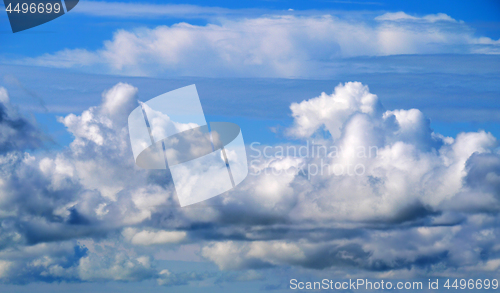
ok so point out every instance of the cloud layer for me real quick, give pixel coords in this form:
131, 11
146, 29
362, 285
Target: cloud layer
282, 45
422, 204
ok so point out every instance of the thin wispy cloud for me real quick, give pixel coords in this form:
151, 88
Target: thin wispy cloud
356, 2
149, 10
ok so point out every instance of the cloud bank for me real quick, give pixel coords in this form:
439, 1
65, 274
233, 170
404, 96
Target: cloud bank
424, 205
307, 46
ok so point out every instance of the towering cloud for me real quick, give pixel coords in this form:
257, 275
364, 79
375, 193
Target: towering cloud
381, 192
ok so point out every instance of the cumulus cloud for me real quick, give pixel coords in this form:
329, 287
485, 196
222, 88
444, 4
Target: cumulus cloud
153, 237
271, 46
331, 111
77, 193
168, 278
416, 180
419, 204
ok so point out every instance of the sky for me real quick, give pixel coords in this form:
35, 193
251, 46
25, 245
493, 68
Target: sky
416, 81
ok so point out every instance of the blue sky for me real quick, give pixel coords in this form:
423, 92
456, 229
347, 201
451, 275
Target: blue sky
483, 16
418, 80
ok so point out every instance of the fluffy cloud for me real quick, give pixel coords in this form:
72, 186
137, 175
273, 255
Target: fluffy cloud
153, 237
77, 193
407, 206
419, 204
331, 111
271, 46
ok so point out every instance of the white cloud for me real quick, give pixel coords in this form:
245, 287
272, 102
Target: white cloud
417, 175
168, 278
412, 166
4, 268
270, 46
119, 267
424, 203
146, 237
331, 111
231, 255
401, 16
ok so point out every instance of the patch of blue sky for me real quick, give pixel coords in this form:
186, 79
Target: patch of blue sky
84, 30
464, 101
